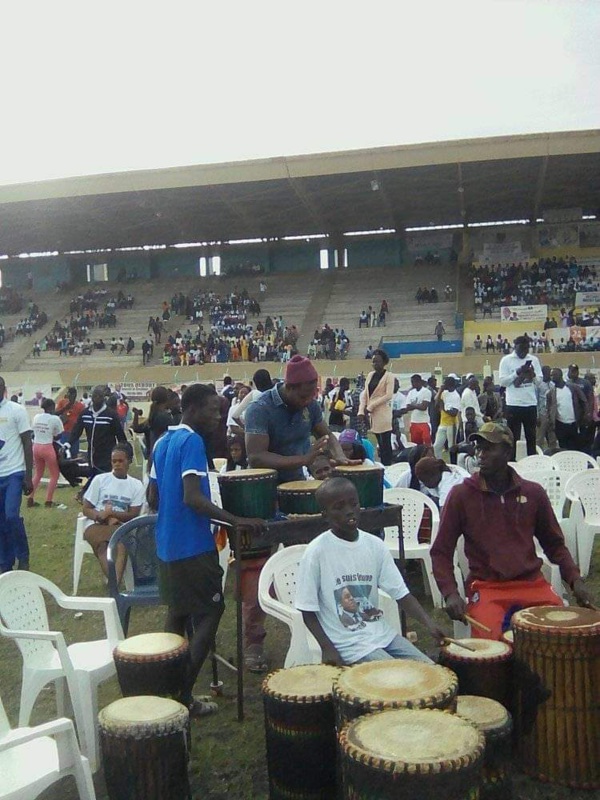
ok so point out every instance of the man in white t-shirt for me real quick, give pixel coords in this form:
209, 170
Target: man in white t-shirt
448, 400
418, 401
566, 404
338, 582
16, 466
520, 372
262, 383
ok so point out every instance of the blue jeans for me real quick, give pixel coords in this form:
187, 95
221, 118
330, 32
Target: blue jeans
399, 647
13, 539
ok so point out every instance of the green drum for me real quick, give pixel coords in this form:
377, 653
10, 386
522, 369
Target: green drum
249, 493
298, 497
368, 482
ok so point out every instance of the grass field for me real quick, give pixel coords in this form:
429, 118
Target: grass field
228, 758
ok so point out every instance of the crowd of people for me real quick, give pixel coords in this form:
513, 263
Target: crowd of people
549, 281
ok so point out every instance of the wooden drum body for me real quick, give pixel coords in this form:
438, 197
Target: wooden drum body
494, 721
402, 683
557, 670
152, 664
144, 742
298, 497
487, 672
300, 732
368, 482
249, 493
411, 755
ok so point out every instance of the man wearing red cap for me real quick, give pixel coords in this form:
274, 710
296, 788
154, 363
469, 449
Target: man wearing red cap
280, 423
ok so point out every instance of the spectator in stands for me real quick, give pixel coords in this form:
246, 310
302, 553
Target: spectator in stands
418, 402
363, 319
376, 400
130, 345
477, 344
519, 373
369, 352
439, 330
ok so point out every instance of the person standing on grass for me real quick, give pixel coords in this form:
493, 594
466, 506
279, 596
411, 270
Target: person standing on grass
47, 428
16, 466
520, 373
189, 571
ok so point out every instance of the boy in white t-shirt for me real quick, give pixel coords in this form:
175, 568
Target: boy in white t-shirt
338, 582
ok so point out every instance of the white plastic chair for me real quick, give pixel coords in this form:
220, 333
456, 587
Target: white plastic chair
279, 573
395, 471
81, 549
583, 490
532, 463
31, 759
46, 657
573, 461
554, 486
521, 450
413, 505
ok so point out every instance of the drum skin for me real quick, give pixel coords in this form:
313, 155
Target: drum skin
495, 722
144, 744
152, 664
557, 671
300, 732
298, 497
486, 672
407, 754
402, 683
368, 482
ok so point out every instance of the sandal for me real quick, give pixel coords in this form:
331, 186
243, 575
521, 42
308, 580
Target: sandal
256, 662
202, 707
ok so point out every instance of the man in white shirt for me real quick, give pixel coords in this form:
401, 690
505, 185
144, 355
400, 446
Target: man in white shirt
417, 402
520, 373
16, 466
448, 400
338, 581
470, 399
262, 383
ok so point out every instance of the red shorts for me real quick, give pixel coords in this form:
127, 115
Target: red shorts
420, 433
494, 602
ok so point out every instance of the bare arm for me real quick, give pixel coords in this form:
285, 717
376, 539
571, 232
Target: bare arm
199, 502
329, 654
414, 609
259, 455
28, 454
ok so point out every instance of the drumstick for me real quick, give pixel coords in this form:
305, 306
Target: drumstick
458, 643
476, 624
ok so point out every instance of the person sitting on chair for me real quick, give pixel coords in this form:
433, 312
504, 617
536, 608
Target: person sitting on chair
111, 499
499, 513
338, 581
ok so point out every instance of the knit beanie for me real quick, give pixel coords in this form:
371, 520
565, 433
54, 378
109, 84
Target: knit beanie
300, 370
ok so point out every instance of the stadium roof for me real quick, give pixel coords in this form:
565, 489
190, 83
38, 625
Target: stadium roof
474, 180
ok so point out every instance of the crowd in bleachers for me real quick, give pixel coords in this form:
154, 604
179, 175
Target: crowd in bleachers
330, 343
222, 330
549, 281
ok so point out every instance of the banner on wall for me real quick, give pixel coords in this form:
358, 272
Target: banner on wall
502, 253
581, 333
558, 236
523, 313
583, 299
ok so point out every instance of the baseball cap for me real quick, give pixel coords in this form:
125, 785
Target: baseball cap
453, 375
494, 433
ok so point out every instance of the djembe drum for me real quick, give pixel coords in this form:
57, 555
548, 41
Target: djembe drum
557, 671
494, 721
300, 732
152, 664
403, 683
411, 755
298, 497
144, 743
249, 493
368, 482
487, 672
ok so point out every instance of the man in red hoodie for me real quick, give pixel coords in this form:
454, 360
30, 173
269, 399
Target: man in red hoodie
499, 514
